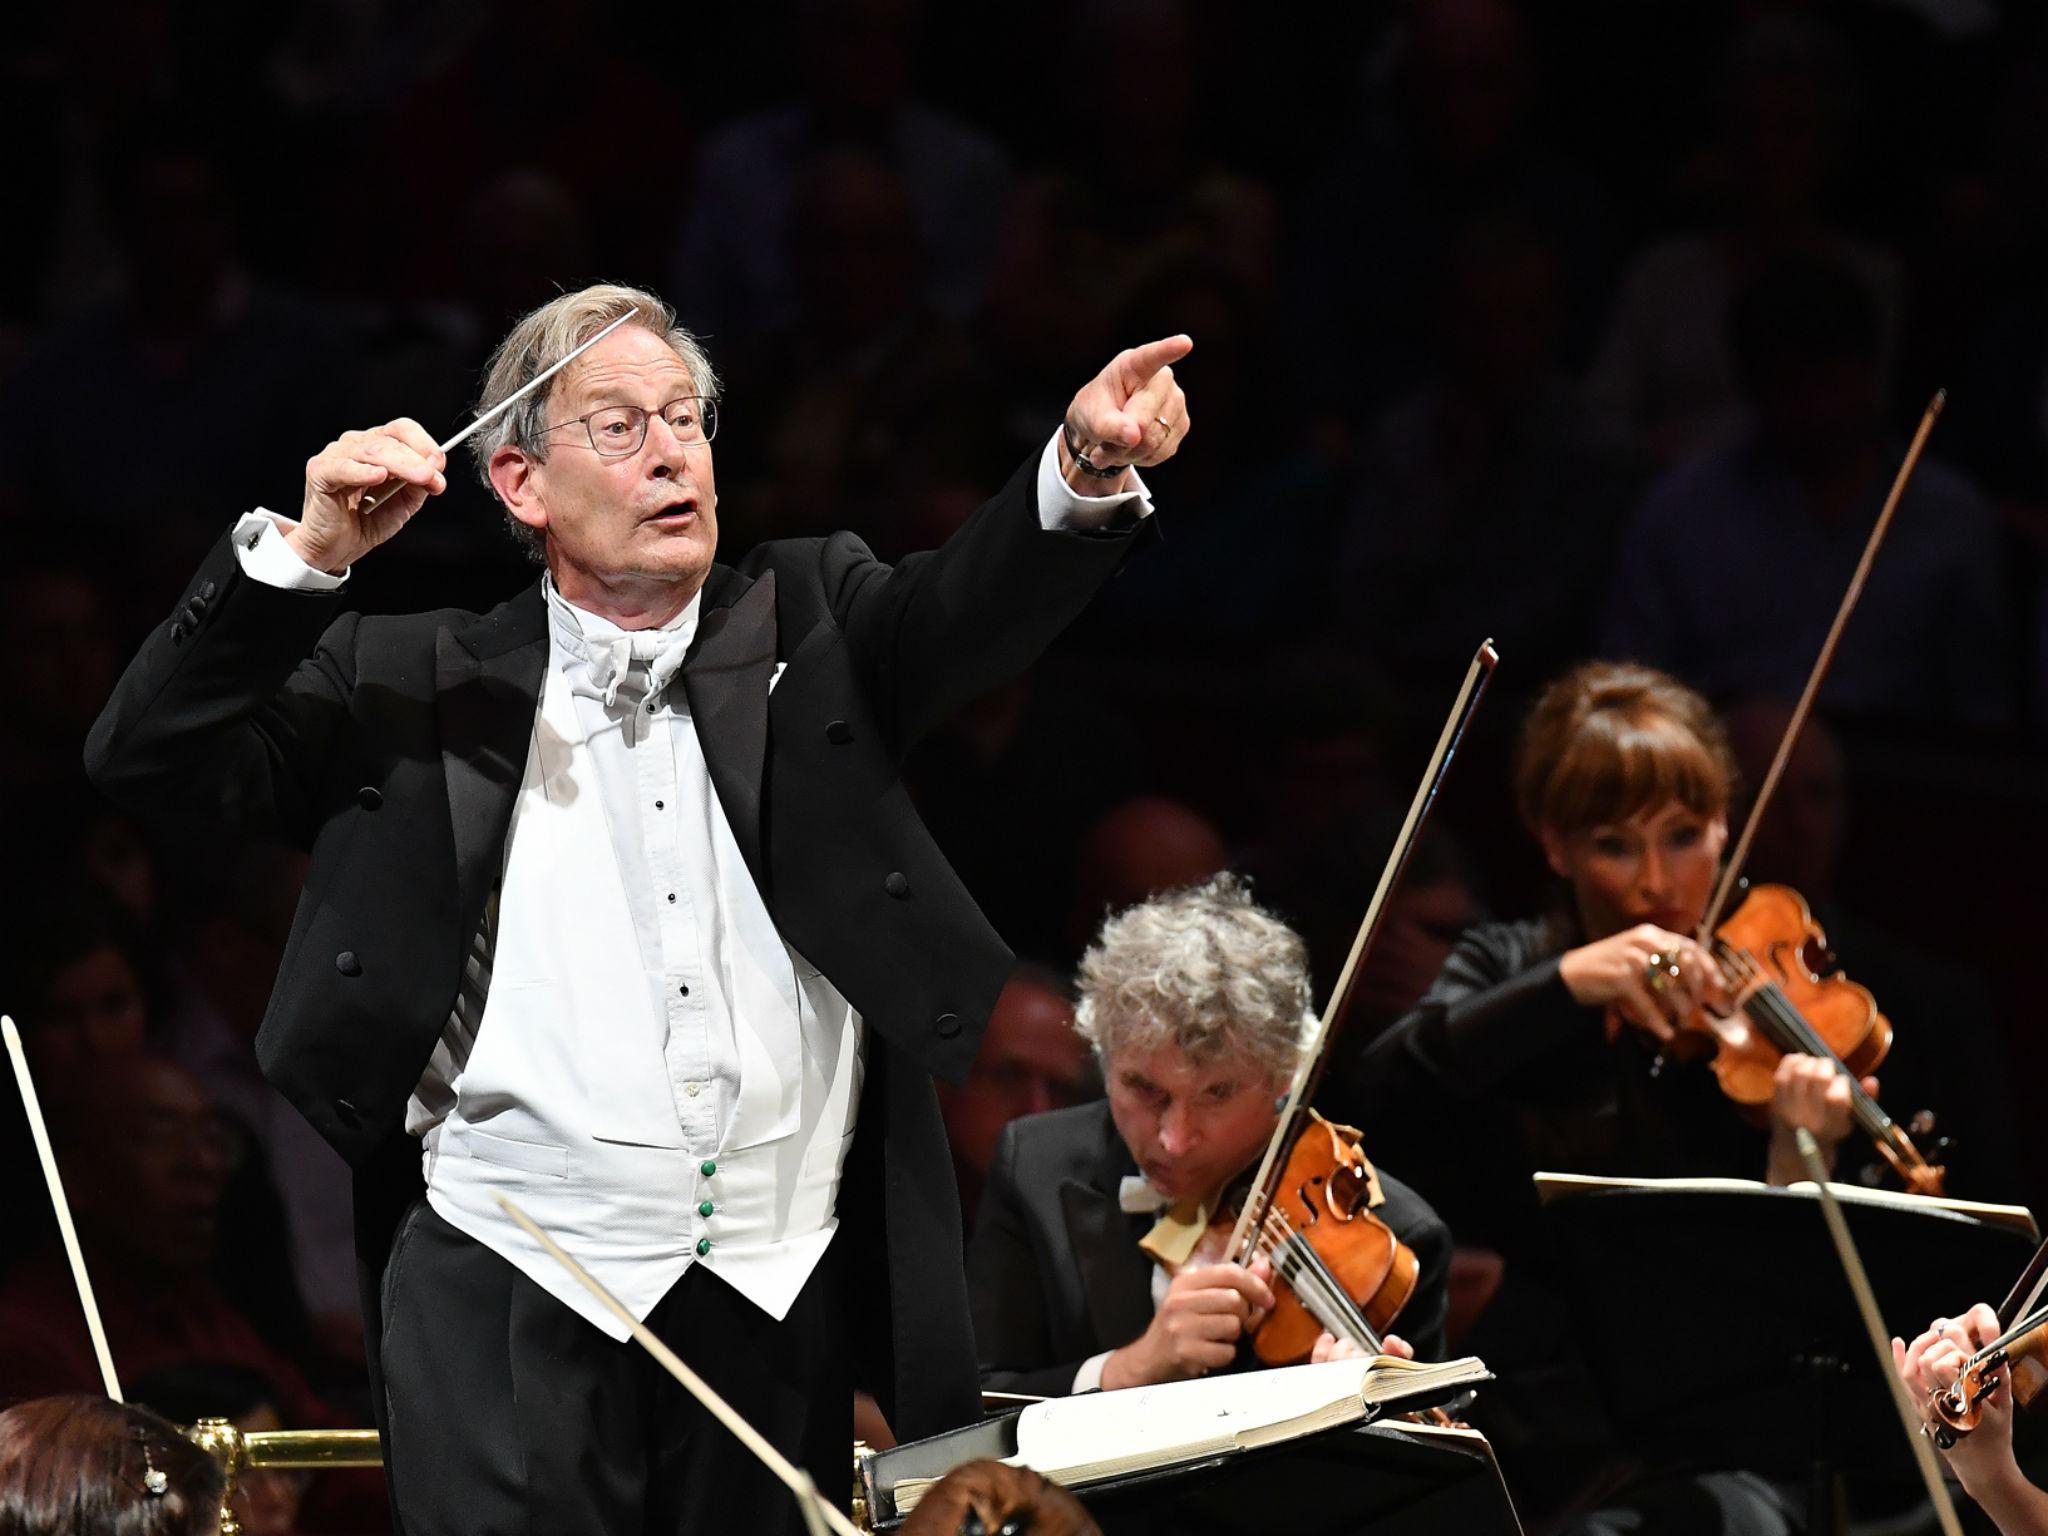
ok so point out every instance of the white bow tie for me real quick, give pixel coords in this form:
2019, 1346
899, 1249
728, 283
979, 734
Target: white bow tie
607, 666
1139, 1198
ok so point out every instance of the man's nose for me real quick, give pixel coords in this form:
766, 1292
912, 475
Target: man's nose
1175, 1134
667, 449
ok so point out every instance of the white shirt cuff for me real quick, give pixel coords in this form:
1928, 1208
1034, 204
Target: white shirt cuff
1061, 506
265, 556
1089, 1377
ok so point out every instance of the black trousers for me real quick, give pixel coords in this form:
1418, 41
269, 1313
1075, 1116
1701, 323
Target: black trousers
512, 1415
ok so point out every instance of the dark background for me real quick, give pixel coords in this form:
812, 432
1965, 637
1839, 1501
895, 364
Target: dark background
1462, 279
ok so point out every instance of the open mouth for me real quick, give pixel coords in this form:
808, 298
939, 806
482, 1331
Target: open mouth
679, 515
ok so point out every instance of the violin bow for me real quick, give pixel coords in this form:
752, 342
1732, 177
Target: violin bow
2025, 1294
1308, 1071
1731, 872
34, 1109
1866, 1304
820, 1514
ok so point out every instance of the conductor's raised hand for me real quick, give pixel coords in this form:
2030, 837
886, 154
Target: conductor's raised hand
1133, 412
349, 508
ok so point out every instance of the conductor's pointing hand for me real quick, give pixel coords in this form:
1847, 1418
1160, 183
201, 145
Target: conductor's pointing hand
1131, 413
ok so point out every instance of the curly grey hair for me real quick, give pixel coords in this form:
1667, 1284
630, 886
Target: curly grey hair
540, 340
1204, 968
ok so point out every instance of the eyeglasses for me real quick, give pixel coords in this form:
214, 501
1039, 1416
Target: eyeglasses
617, 431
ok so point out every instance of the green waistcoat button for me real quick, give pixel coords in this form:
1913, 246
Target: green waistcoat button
703, 1246
707, 1167
703, 1207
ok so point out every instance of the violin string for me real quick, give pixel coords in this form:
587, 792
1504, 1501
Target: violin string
1293, 1260
1297, 1262
1791, 1032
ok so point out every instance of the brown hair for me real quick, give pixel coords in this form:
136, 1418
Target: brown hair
80, 1466
985, 1498
1610, 739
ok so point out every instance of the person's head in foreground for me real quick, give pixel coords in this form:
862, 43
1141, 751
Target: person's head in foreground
991, 1498
88, 1466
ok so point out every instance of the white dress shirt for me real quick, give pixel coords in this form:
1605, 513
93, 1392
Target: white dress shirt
758, 1053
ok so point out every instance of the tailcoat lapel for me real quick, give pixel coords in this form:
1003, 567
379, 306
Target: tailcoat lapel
726, 678
1116, 1275
487, 681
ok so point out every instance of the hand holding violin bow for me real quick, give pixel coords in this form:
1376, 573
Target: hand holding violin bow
1652, 978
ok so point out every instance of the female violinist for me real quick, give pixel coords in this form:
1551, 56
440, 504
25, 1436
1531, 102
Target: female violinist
1544, 1044
1541, 1044
1982, 1459
1195, 1004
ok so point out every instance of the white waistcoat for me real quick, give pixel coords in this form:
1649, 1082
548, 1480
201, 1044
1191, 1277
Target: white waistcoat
565, 1102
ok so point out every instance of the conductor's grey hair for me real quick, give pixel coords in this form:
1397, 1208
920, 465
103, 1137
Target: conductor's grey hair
540, 340
1204, 968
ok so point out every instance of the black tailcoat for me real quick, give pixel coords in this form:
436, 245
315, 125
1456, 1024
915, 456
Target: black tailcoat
391, 748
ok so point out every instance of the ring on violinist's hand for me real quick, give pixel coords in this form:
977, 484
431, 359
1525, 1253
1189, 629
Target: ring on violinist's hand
1164, 422
1659, 972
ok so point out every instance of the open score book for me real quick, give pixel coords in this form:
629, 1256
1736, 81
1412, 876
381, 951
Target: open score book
1099, 1435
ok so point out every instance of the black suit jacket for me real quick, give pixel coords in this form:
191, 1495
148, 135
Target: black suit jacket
392, 749
1055, 1270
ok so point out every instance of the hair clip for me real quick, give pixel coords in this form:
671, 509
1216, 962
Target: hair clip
153, 1480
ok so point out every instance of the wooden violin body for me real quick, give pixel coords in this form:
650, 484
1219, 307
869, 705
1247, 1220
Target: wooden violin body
1771, 949
1326, 1192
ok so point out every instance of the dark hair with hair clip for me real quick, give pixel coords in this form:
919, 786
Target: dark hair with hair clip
991, 1498
85, 1466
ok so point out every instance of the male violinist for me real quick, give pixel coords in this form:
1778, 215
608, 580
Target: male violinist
618, 908
1196, 1003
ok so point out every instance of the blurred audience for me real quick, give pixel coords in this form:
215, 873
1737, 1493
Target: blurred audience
1142, 848
1733, 567
1490, 497
732, 272
1030, 1061
1668, 376
146, 1162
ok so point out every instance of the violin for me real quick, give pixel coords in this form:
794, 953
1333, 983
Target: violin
1768, 951
1786, 1005
1337, 1268
1958, 1408
1341, 1270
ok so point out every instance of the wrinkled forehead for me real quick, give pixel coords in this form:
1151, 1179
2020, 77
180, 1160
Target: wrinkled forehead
1170, 1067
632, 366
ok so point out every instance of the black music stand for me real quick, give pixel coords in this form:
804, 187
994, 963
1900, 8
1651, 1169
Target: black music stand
1392, 1479
1721, 1330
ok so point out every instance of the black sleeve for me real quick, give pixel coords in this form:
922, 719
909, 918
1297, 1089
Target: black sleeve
946, 625
1012, 1330
228, 713
1493, 1010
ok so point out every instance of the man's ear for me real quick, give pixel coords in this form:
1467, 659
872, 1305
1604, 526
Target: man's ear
512, 476
1555, 852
